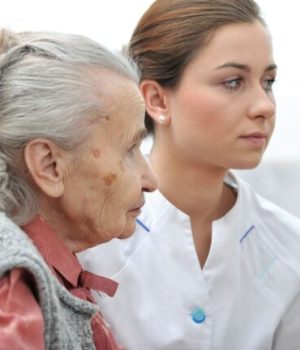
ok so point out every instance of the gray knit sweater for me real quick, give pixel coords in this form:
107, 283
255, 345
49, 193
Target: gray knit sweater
67, 318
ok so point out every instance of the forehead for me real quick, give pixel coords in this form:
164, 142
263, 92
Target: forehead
240, 42
122, 104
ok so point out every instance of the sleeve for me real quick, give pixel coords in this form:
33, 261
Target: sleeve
287, 334
21, 319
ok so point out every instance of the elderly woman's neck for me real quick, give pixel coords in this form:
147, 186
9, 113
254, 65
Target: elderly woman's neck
62, 227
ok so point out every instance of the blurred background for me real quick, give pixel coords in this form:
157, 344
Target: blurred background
112, 22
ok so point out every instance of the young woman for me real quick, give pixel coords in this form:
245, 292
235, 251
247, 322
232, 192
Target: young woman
212, 265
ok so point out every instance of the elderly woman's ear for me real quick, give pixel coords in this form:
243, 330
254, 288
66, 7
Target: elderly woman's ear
46, 163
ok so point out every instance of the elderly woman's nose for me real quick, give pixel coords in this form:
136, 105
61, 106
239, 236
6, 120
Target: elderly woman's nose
149, 180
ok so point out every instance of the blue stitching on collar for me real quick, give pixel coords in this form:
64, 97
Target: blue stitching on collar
246, 233
143, 225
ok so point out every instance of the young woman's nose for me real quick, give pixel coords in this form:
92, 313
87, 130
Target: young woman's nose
262, 104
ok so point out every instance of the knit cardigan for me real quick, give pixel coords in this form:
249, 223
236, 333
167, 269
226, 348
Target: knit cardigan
67, 318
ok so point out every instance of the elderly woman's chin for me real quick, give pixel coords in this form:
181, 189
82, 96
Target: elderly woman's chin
129, 228
129, 224
121, 231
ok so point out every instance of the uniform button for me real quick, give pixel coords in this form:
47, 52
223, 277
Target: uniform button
198, 315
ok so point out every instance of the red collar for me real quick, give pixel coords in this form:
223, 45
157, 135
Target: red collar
61, 260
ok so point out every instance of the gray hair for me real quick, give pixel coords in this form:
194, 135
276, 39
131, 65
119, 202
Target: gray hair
46, 90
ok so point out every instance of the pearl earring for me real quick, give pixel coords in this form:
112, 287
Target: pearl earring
161, 119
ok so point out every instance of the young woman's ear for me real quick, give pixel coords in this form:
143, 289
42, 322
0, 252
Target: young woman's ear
46, 164
156, 101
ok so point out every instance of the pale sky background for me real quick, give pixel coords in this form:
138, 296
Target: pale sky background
111, 23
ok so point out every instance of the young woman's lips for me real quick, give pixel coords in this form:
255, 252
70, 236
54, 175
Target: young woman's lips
256, 138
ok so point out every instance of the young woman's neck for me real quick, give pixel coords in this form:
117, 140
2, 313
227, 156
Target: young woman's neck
198, 190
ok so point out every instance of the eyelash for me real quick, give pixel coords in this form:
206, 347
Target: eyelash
270, 83
237, 83
228, 83
133, 148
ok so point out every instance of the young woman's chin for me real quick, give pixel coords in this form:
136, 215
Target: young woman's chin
247, 165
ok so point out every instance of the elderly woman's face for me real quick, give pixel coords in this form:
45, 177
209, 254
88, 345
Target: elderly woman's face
104, 191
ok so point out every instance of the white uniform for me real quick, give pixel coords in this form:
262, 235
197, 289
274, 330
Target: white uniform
247, 296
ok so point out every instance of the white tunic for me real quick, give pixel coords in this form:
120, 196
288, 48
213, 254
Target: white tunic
247, 296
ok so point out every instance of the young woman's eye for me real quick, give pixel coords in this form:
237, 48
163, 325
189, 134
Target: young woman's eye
268, 84
232, 84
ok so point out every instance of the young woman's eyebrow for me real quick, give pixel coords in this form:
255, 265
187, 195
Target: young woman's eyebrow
245, 67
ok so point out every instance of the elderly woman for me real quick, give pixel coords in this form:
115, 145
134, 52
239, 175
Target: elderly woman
71, 177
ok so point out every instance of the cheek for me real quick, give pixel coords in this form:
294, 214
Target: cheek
110, 179
272, 122
128, 187
200, 109
114, 186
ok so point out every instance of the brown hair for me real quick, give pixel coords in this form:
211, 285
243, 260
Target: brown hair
171, 33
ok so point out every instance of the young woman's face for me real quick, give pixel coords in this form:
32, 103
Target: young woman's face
223, 110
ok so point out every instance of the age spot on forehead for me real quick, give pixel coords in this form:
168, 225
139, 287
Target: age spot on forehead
96, 152
109, 179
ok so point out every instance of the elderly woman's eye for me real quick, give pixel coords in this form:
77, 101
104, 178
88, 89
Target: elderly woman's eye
132, 148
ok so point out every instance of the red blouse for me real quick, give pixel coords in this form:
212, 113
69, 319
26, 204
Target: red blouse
21, 319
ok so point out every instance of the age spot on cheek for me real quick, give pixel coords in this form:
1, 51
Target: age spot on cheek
96, 152
109, 179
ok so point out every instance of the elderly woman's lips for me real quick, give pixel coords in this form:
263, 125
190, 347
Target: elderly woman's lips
135, 212
137, 208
